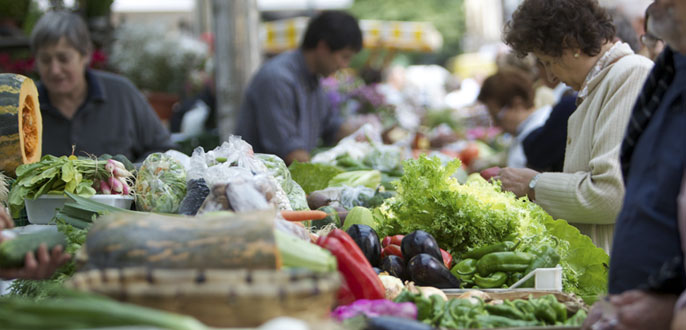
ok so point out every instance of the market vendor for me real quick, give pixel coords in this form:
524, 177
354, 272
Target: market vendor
573, 41
285, 110
509, 97
95, 111
37, 266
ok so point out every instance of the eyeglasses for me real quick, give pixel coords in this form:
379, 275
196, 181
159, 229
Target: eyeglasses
649, 40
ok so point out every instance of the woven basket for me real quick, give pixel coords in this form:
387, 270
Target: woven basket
219, 298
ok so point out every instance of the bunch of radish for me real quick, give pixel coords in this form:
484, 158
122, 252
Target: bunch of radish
118, 182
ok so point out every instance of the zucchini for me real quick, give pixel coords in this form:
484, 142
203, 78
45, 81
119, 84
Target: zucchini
13, 251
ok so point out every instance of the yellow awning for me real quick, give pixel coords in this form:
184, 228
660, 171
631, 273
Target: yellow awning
278, 36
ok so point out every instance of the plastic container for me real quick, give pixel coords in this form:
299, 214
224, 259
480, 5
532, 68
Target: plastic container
549, 278
42, 209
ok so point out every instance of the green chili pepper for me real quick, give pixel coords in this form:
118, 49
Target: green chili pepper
484, 250
524, 306
546, 257
496, 321
503, 262
506, 311
495, 280
560, 309
544, 311
464, 267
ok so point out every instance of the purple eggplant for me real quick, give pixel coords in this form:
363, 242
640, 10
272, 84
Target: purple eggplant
418, 242
424, 269
368, 241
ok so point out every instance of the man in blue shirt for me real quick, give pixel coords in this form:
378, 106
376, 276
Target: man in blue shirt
284, 110
646, 265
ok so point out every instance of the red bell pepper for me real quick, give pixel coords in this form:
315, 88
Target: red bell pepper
447, 258
353, 265
344, 296
395, 239
392, 250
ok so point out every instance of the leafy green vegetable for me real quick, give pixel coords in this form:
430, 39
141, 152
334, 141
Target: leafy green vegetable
312, 177
479, 213
369, 179
458, 216
55, 175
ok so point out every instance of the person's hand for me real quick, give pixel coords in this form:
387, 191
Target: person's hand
638, 310
39, 266
679, 321
517, 180
5, 219
594, 316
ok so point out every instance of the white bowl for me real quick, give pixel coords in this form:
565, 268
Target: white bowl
42, 209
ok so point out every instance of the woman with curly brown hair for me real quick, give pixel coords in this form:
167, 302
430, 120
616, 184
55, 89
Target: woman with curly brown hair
573, 41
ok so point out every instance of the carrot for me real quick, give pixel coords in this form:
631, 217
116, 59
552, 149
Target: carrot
303, 215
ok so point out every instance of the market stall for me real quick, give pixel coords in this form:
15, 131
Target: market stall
366, 234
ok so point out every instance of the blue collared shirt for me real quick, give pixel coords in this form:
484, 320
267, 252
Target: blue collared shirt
285, 108
646, 252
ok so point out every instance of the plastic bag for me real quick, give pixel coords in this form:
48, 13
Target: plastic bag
355, 196
356, 145
277, 168
385, 158
160, 185
234, 157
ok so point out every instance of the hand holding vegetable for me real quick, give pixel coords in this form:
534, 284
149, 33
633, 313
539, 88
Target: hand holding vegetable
517, 181
39, 266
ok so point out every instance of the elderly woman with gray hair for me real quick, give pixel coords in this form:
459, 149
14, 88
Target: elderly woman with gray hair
92, 111
573, 39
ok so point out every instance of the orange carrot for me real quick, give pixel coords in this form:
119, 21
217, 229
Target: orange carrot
303, 215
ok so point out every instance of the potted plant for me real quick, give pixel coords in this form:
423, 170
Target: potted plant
160, 63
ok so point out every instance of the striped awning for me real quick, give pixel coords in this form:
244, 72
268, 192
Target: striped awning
278, 36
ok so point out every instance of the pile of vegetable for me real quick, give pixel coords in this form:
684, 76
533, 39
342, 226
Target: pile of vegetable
499, 265
463, 217
79, 175
474, 313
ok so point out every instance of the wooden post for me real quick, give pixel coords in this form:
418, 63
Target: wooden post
237, 56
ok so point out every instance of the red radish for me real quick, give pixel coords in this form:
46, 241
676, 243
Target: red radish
117, 186
105, 188
125, 189
121, 173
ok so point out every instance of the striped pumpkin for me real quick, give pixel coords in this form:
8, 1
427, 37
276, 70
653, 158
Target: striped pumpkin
21, 125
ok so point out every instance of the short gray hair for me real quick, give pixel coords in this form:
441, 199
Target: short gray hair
54, 25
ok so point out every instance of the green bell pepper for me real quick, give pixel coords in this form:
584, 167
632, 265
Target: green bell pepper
503, 262
484, 250
464, 267
495, 280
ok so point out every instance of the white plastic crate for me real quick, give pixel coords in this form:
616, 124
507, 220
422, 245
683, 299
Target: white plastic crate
42, 209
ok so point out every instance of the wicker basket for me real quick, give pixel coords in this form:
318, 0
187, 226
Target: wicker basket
219, 298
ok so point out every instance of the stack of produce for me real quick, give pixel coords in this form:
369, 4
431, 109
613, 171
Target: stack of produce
79, 175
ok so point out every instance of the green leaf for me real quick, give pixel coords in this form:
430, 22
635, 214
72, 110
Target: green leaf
312, 177
68, 172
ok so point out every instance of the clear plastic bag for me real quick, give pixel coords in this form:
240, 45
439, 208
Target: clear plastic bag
235, 158
160, 185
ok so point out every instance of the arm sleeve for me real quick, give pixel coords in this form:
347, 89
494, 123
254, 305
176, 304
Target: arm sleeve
277, 120
332, 124
152, 136
595, 197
